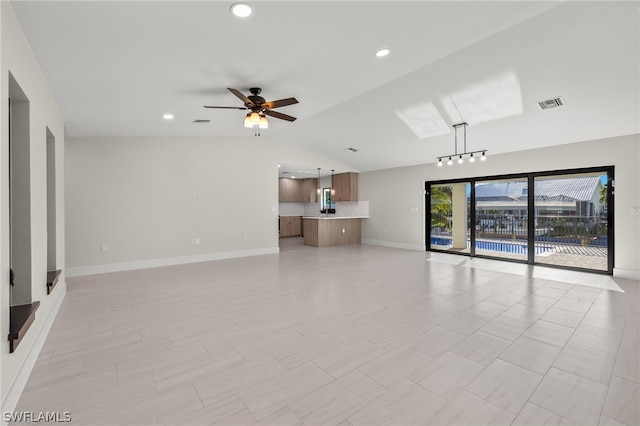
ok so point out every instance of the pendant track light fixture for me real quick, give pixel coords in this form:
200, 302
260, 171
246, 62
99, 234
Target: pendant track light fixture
460, 156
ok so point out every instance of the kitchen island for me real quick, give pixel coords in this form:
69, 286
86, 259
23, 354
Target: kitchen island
331, 231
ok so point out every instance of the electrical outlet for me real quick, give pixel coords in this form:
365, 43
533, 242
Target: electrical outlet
193, 193
104, 248
245, 237
635, 210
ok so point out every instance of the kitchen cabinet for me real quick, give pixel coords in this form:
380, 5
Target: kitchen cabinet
322, 232
345, 186
290, 226
297, 190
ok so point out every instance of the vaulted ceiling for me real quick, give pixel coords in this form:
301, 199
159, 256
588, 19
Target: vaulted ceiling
116, 67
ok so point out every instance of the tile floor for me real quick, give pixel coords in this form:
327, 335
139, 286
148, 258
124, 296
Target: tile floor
358, 335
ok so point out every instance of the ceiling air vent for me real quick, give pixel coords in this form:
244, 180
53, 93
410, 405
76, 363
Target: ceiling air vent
200, 121
351, 149
551, 103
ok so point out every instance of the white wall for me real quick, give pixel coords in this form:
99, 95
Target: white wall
134, 195
396, 196
16, 57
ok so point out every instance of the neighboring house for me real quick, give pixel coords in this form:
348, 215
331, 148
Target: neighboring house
553, 197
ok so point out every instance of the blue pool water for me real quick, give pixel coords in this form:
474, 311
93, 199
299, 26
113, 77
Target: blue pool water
504, 247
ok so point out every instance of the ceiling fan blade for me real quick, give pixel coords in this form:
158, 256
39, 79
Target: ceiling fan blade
242, 97
280, 103
279, 115
223, 107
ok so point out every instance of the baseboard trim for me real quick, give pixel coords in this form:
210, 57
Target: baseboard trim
154, 263
630, 274
393, 244
15, 389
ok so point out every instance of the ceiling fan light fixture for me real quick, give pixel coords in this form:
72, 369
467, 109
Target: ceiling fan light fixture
264, 124
241, 10
247, 122
255, 119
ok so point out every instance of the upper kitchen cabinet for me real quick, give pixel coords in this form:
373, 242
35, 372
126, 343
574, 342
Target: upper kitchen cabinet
345, 186
297, 190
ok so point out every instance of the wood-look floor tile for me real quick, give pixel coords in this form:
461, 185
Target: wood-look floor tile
217, 385
465, 323
160, 409
292, 356
531, 414
393, 335
506, 328
447, 374
468, 409
436, 341
179, 344
406, 404
394, 366
606, 421
563, 317
524, 313
488, 309
65, 391
622, 402
264, 345
549, 332
172, 374
531, 355
585, 362
348, 357
578, 399
505, 385
282, 417
97, 403
481, 348
337, 401
628, 366
597, 338
272, 394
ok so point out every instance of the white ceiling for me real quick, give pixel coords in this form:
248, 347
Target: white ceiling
116, 66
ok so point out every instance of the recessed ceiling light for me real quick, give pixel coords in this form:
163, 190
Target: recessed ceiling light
241, 10
168, 116
293, 177
279, 166
382, 53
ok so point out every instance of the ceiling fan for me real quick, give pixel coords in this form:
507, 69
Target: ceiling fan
259, 108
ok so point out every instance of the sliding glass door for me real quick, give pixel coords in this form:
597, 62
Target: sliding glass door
558, 218
571, 220
501, 218
449, 224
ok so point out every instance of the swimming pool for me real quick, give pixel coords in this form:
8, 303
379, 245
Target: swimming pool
501, 246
